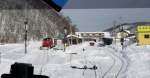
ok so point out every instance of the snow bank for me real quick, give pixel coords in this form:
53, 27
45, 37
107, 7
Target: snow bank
139, 61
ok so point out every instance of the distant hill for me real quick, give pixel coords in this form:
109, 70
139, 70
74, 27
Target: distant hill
41, 19
127, 26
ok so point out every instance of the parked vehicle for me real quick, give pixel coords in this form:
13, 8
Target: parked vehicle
91, 43
107, 41
48, 43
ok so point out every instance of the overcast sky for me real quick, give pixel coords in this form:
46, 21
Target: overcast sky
97, 15
78, 4
100, 19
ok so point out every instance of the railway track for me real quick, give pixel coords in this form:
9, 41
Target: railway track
117, 58
105, 74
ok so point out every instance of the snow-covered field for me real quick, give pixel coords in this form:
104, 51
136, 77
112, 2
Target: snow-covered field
111, 61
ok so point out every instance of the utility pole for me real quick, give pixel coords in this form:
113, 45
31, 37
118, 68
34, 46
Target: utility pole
122, 33
71, 34
65, 39
114, 33
25, 36
122, 37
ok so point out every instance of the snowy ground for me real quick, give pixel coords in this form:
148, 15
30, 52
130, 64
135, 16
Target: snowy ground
112, 62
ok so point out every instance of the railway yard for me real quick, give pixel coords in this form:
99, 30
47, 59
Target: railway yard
92, 61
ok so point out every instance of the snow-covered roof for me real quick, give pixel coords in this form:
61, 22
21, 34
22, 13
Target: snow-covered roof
73, 36
90, 32
127, 31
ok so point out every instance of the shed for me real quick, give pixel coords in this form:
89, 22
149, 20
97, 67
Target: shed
143, 35
73, 39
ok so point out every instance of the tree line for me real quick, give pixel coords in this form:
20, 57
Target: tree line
41, 21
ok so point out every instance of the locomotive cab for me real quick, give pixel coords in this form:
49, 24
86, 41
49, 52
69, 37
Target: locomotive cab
47, 43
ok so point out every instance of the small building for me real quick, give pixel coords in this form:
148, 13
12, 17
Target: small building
73, 39
121, 34
143, 35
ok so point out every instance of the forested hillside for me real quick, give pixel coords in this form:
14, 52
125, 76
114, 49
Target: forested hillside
42, 20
